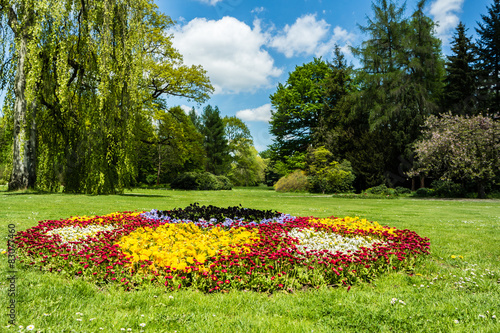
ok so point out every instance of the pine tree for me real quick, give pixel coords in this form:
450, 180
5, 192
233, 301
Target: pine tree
459, 91
215, 142
401, 82
489, 58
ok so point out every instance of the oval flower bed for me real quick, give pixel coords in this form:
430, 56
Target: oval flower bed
217, 249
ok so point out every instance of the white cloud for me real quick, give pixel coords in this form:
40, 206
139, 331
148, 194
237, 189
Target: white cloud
186, 108
230, 51
258, 10
262, 113
210, 2
301, 38
445, 15
308, 36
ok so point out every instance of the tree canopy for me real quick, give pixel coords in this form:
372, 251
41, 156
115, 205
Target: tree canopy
87, 73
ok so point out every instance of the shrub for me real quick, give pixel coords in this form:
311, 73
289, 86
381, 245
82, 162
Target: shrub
447, 189
294, 182
201, 181
225, 183
424, 192
327, 175
402, 190
382, 190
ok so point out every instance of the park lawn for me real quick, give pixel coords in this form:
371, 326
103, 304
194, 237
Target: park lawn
457, 289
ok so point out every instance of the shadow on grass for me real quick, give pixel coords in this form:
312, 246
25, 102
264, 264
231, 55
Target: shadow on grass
28, 192
143, 195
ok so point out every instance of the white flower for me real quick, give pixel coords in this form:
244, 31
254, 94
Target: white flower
456, 321
30, 327
482, 316
401, 301
394, 300
142, 324
171, 297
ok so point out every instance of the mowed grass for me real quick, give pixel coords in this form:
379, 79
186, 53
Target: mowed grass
457, 289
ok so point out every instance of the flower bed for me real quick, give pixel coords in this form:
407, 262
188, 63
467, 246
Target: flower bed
238, 249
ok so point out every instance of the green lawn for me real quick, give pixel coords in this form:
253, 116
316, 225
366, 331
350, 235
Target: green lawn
446, 294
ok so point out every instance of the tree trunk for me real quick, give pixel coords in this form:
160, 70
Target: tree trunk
481, 191
24, 157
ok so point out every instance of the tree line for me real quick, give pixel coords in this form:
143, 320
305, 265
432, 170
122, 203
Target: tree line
379, 116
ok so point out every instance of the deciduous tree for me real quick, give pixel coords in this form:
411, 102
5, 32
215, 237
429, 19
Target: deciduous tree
460, 148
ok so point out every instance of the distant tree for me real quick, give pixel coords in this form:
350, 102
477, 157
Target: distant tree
460, 81
337, 87
195, 119
247, 167
297, 106
215, 142
489, 57
458, 148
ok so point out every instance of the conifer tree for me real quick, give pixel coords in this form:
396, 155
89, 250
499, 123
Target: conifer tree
460, 82
489, 58
215, 142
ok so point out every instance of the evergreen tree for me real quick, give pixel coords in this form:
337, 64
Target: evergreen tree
489, 58
195, 119
215, 142
400, 83
460, 81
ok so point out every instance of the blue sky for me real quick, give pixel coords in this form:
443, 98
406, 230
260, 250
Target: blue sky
247, 47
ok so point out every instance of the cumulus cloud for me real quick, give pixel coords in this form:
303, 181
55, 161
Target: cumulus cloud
262, 113
230, 51
445, 14
302, 37
308, 36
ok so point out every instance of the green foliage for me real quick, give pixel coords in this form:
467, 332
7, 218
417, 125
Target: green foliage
247, 167
460, 81
424, 192
201, 181
214, 142
403, 190
489, 58
297, 106
447, 189
457, 148
380, 189
327, 175
94, 70
400, 84
297, 181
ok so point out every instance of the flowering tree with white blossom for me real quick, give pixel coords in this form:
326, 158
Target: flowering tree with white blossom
460, 148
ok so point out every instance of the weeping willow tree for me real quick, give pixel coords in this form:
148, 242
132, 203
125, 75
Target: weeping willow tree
91, 71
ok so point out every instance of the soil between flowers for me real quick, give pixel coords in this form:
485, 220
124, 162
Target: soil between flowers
217, 249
